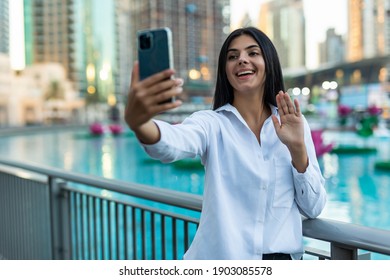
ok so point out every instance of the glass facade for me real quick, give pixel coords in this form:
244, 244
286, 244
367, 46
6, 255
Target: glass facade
28, 32
4, 27
82, 36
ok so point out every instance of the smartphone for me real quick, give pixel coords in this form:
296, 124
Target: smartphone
155, 52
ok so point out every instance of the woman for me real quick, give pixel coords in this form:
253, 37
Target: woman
261, 171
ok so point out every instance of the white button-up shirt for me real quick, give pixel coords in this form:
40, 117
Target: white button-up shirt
253, 196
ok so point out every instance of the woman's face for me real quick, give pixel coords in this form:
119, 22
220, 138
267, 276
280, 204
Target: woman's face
245, 66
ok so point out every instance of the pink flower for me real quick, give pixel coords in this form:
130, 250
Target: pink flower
373, 110
344, 110
319, 145
116, 129
96, 129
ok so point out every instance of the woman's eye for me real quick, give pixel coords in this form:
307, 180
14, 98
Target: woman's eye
253, 53
231, 57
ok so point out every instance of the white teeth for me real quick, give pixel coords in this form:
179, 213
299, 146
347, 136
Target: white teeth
245, 72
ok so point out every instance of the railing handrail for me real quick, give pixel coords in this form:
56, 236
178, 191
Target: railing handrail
353, 235
336, 232
174, 198
23, 130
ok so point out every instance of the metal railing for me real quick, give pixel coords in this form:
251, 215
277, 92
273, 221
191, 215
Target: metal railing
49, 213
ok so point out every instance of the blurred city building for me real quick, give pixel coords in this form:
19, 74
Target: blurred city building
5, 87
89, 38
40, 94
96, 41
360, 78
4, 27
91, 46
332, 50
369, 29
198, 29
284, 22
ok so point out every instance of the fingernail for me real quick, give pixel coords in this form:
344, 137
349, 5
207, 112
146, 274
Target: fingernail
179, 82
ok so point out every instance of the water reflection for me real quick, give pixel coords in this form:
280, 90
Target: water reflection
357, 192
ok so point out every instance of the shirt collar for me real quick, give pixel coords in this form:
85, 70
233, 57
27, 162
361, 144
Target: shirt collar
230, 108
227, 107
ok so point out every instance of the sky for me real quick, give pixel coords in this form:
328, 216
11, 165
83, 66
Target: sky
16, 32
319, 14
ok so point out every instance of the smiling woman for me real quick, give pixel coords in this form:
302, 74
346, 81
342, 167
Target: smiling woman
254, 127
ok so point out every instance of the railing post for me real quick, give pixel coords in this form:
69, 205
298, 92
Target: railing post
65, 224
341, 252
59, 217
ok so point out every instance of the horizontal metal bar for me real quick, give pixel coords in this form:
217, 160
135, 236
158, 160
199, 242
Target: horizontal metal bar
321, 254
8, 131
180, 199
357, 236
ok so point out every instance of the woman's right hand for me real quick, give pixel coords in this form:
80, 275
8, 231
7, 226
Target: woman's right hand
145, 101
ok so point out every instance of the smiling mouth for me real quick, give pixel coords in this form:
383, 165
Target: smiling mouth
245, 73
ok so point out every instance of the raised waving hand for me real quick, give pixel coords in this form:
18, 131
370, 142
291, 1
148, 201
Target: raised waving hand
290, 129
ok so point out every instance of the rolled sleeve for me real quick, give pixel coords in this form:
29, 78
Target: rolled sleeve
159, 150
310, 191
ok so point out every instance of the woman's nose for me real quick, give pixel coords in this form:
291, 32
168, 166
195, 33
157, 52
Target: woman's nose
242, 60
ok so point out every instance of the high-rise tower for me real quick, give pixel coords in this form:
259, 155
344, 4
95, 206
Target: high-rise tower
199, 29
368, 29
86, 37
4, 27
284, 22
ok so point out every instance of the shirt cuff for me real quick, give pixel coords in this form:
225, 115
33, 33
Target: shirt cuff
306, 178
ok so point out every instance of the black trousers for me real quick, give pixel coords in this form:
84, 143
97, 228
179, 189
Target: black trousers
276, 256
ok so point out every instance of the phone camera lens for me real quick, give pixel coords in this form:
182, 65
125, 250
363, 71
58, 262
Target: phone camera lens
145, 41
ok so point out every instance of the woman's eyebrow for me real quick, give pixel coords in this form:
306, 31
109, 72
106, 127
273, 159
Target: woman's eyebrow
249, 47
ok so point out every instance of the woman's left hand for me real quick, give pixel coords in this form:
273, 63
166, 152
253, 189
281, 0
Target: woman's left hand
290, 129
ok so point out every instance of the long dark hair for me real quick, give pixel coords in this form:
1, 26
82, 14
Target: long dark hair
273, 71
